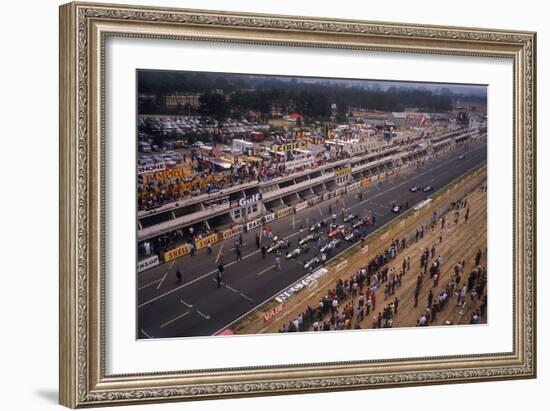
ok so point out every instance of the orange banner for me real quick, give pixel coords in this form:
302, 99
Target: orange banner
168, 174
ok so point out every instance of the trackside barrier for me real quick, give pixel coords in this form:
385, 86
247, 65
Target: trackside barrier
209, 239
148, 263
284, 212
177, 252
300, 206
231, 232
353, 186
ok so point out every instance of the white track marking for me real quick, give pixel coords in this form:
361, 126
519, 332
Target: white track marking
203, 315
219, 253
162, 280
245, 296
148, 285
231, 288
147, 335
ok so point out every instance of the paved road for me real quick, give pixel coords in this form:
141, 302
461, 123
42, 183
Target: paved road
197, 307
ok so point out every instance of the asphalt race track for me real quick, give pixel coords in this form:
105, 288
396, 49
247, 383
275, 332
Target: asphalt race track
197, 307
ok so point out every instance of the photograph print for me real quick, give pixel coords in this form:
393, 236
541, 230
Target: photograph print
280, 204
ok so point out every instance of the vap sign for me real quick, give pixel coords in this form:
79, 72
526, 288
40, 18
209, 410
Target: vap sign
274, 312
254, 198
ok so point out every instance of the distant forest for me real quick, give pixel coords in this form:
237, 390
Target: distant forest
312, 98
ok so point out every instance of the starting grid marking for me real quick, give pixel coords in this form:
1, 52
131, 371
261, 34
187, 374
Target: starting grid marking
147, 335
149, 284
203, 315
246, 297
271, 267
174, 319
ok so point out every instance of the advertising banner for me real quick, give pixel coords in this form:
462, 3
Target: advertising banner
203, 242
176, 252
168, 174
255, 223
274, 312
342, 171
294, 164
284, 212
280, 148
150, 168
295, 288
148, 263
231, 232
246, 201
301, 206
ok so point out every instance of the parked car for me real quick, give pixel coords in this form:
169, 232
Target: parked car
144, 147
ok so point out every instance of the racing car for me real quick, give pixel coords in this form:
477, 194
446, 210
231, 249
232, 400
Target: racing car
312, 263
275, 246
308, 238
349, 217
396, 208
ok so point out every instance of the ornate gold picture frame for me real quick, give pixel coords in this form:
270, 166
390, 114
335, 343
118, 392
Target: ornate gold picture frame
84, 29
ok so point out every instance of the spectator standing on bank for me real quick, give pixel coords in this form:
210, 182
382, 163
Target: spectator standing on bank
416, 295
478, 257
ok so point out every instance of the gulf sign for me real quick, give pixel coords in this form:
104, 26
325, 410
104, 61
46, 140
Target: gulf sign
246, 201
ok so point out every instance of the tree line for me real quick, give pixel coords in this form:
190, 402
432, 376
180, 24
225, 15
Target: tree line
236, 95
